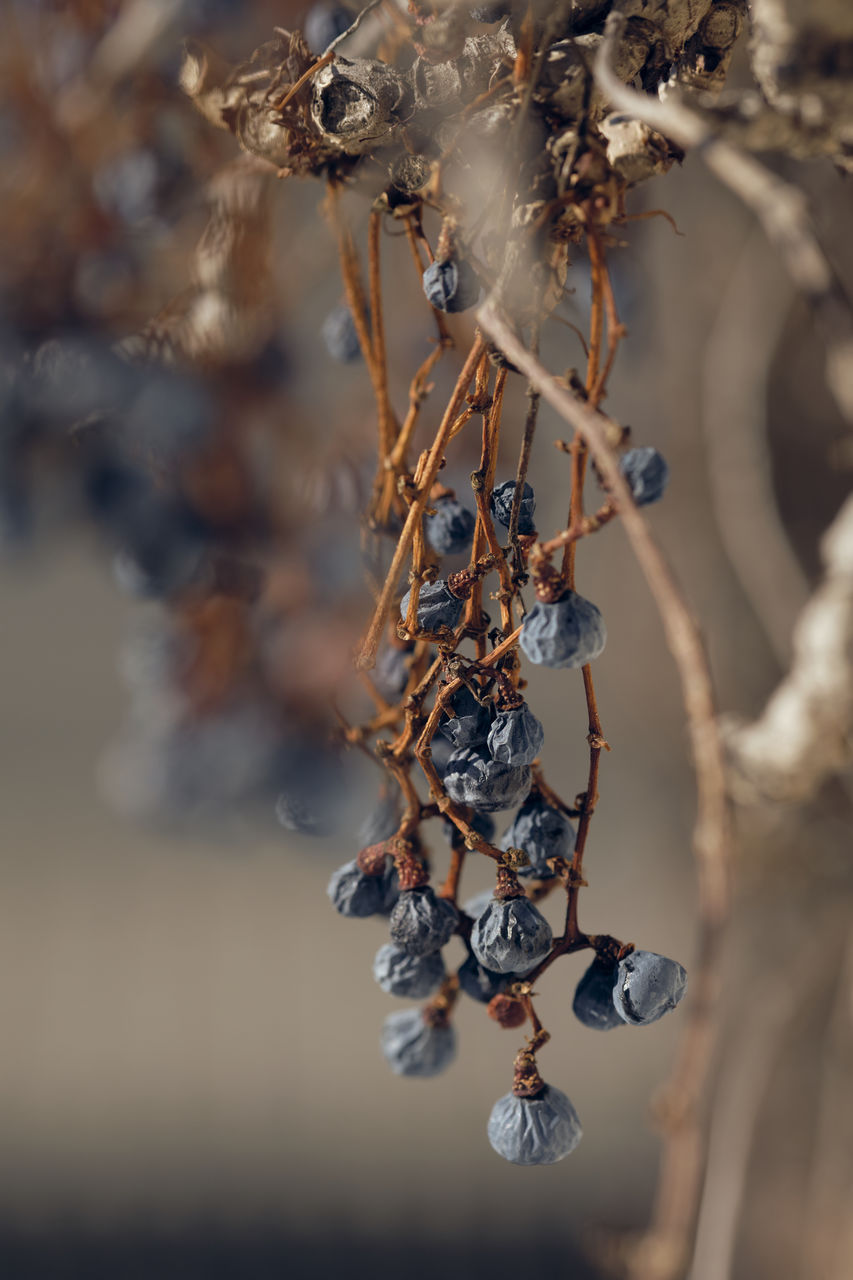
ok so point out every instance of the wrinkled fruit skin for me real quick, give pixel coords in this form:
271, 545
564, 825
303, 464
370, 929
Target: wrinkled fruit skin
479, 983
511, 936
593, 1002
483, 783
500, 505
353, 893
412, 1048
468, 725
451, 529
568, 633
540, 1130
437, 606
516, 737
647, 474
339, 334
647, 986
542, 832
421, 922
410, 977
451, 285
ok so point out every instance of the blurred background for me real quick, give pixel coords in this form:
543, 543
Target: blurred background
190, 1081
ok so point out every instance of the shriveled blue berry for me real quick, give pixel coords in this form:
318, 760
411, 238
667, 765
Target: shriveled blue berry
647, 474
479, 983
323, 24
411, 977
500, 505
390, 888
477, 780
340, 336
647, 986
450, 530
511, 936
414, 1048
437, 606
421, 922
483, 824
568, 633
593, 1001
516, 736
353, 893
451, 285
540, 1130
467, 722
542, 832
383, 821
391, 673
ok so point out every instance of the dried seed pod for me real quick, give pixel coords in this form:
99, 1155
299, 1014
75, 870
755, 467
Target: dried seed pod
539, 1130
358, 104
410, 977
412, 1047
511, 936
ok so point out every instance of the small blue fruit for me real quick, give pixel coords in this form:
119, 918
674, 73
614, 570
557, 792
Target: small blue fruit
569, 632
480, 782
451, 285
647, 986
353, 893
414, 1048
516, 737
500, 505
593, 1002
540, 1130
511, 936
421, 922
450, 530
437, 606
647, 474
411, 977
340, 336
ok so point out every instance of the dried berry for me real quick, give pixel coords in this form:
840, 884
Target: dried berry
483, 824
516, 737
500, 505
647, 474
483, 783
340, 336
451, 285
542, 832
647, 986
507, 1011
479, 983
353, 893
405, 975
593, 1002
540, 1130
450, 530
437, 606
511, 936
570, 632
421, 922
467, 722
412, 1047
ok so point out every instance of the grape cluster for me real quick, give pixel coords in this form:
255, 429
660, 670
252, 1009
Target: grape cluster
485, 750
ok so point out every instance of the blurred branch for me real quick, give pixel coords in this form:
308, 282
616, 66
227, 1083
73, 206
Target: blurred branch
744, 336
781, 209
803, 736
664, 1251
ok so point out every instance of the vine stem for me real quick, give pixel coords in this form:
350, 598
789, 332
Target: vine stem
367, 657
667, 1245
